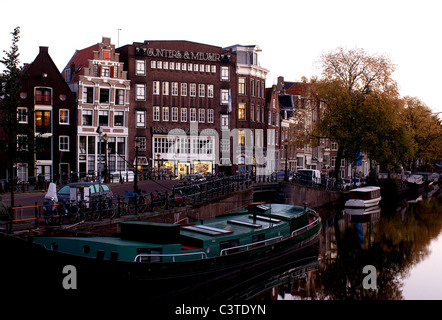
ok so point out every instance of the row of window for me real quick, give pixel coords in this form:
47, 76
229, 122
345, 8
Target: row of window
104, 96
183, 145
42, 118
140, 68
174, 88
256, 113
103, 118
174, 114
22, 143
257, 90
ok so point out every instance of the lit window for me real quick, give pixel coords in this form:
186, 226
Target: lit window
242, 111
64, 116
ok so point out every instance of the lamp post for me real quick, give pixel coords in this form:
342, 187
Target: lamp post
286, 173
137, 146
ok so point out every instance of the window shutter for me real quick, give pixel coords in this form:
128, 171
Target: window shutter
112, 72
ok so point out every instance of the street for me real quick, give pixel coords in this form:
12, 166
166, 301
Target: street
30, 198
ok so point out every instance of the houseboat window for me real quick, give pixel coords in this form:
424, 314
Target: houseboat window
229, 244
151, 251
86, 249
258, 237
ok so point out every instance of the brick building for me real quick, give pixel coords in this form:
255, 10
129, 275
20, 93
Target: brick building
97, 76
46, 123
187, 99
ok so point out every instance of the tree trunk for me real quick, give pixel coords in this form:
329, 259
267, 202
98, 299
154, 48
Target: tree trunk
338, 162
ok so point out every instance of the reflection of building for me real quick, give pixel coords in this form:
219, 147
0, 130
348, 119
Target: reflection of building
97, 75
48, 113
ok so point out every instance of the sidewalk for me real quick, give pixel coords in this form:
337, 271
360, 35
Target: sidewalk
29, 198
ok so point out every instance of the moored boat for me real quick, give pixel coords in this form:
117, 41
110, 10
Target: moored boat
416, 183
164, 257
364, 197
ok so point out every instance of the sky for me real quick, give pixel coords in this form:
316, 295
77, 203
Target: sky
291, 33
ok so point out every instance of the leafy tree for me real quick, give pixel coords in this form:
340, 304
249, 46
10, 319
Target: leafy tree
9, 104
359, 95
425, 129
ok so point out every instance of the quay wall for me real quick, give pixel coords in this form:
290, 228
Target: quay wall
288, 193
314, 198
211, 209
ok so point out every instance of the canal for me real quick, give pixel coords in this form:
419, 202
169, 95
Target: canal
400, 245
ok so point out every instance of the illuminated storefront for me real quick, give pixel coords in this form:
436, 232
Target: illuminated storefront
183, 155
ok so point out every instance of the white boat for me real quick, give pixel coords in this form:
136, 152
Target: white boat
364, 197
416, 179
416, 183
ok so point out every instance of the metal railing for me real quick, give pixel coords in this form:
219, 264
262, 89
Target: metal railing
306, 228
173, 255
253, 244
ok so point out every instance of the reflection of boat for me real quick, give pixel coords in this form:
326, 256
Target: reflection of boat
162, 257
364, 197
363, 214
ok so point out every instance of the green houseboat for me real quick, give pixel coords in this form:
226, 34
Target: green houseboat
169, 257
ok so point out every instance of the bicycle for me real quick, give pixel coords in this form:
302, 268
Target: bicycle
137, 202
103, 208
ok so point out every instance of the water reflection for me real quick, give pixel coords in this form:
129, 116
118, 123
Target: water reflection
393, 239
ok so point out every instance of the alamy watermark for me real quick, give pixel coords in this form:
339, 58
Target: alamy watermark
248, 146
370, 280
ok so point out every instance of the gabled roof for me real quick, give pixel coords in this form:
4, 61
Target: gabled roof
45, 62
297, 88
80, 60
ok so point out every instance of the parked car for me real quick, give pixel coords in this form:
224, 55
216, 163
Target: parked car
280, 176
309, 176
193, 177
83, 191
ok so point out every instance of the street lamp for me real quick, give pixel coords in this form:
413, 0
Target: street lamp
286, 173
137, 146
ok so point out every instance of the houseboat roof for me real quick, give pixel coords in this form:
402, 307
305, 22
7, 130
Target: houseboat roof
365, 189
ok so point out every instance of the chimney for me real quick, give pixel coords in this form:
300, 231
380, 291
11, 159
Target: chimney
44, 49
280, 84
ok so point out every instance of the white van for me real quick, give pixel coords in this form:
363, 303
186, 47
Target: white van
309, 176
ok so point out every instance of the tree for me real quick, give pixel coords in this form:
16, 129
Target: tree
359, 93
9, 105
425, 129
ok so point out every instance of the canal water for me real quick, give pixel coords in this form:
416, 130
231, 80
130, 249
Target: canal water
392, 253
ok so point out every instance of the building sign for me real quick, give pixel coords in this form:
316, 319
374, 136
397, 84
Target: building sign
176, 54
193, 131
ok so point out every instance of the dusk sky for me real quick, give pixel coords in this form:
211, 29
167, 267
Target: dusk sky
291, 34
